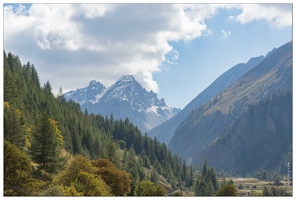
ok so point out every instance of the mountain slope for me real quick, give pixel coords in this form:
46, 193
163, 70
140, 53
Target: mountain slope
260, 138
165, 131
204, 124
71, 132
124, 99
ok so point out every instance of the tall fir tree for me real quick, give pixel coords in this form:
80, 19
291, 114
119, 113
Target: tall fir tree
13, 126
111, 152
47, 143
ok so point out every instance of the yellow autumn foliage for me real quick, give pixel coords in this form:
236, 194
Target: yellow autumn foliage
57, 131
6, 104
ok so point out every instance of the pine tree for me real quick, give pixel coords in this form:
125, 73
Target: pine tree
204, 168
277, 181
200, 187
13, 126
191, 176
213, 178
34, 76
184, 170
10, 90
47, 86
207, 182
46, 145
60, 96
111, 152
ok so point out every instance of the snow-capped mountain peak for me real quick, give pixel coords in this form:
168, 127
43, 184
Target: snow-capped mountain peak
127, 78
125, 98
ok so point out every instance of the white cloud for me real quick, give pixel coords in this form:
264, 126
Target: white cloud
226, 34
71, 44
207, 33
276, 15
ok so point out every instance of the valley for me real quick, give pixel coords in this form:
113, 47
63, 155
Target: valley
147, 99
241, 127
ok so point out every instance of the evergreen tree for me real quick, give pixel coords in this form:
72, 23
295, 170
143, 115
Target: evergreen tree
201, 187
13, 126
34, 76
207, 182
264, 175
191, 176
60, 96
47, 86
47, 144
111, 152
277, 181
184, 170
10, 90
204, 168
214, 179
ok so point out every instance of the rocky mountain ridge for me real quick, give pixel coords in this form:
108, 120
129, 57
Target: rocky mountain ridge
124, 99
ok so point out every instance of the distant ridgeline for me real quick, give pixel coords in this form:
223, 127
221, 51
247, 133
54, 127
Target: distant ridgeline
165, 131
247, 126
44, 134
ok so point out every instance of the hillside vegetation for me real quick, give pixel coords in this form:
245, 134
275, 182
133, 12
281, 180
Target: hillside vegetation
52, 148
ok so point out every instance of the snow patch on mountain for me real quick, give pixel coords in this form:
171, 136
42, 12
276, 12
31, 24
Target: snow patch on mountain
125, 98
153, 109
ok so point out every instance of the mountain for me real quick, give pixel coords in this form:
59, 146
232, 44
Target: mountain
260, 138
205, 124
165, 131
124, 99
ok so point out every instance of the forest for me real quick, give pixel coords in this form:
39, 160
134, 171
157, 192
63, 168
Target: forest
52, 148
46, 138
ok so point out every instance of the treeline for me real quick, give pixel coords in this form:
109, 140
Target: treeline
207, 182
268, 175
275, 191
46, 133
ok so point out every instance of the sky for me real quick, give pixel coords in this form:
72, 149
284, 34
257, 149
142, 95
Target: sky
175, 50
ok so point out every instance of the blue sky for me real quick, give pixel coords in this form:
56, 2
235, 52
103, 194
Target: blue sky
176, 50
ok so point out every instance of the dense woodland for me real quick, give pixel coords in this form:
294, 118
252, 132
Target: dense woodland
44, 136
52, 148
